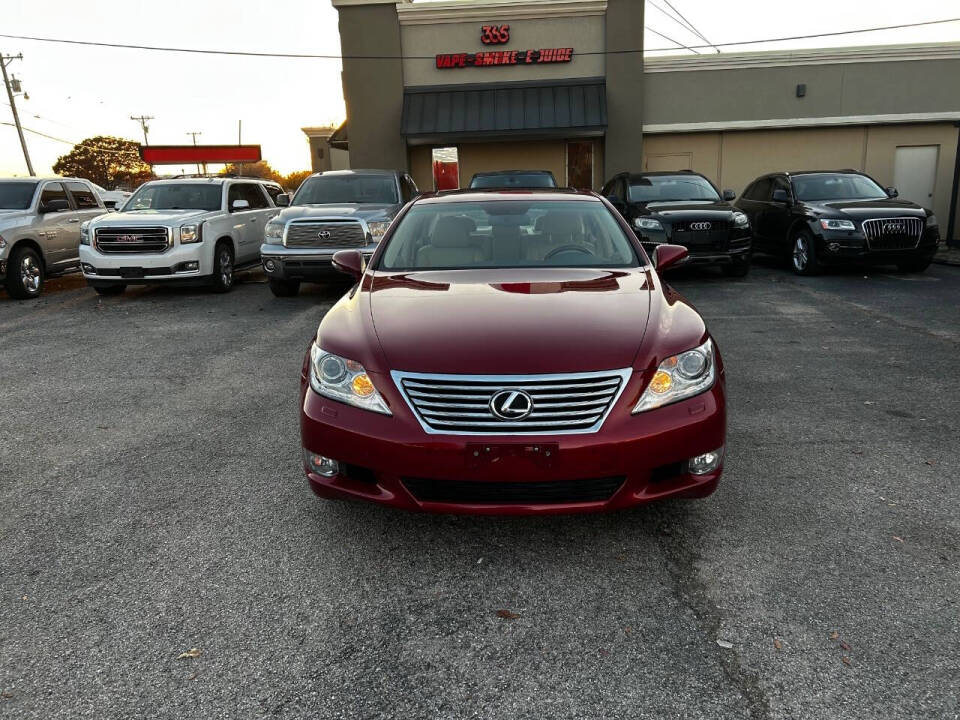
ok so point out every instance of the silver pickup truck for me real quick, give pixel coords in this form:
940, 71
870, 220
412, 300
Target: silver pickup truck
40, 221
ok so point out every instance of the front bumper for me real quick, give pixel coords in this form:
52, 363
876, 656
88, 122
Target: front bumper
309, 264
852, 247
181, 263
390, 460
734, 248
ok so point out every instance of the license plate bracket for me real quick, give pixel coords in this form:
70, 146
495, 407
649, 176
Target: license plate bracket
484, 454
131, 272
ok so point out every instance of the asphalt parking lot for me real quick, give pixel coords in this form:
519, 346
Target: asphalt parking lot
153, 504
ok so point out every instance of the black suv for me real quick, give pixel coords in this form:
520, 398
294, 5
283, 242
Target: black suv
684, 208
819, 218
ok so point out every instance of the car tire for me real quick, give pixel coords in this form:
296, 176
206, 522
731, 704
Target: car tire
738, 267
914, 265
25, 274
284, 288
803, 254
223, 273
107, 290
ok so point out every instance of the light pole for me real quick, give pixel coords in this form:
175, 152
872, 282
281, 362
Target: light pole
194, 136
4, 61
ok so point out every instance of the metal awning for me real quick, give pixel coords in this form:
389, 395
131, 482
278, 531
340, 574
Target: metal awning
463, 112
339, 137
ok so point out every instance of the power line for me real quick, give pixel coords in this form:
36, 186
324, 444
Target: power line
84, 144
681, 23
690, 24
312, 56
660, 34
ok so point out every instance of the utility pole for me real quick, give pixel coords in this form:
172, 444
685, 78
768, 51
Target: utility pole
194, 136
142, 119
9, 85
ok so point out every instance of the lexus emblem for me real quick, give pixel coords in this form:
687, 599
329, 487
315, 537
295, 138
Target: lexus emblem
324, 234
511, 404
701, 226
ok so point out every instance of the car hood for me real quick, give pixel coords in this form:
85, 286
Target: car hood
365, 211
8, 217
510, 321
868, 208
700, 210
151, 217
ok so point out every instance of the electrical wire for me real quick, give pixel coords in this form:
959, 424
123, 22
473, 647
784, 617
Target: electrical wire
691, 25
243, 53
682, 46
83, 144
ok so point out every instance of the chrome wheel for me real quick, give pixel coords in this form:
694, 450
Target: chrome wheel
226, 268
30, 275
801, 253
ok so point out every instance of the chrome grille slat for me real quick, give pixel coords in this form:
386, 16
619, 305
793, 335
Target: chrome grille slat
342, 234
880, 236
562, 403
134, 239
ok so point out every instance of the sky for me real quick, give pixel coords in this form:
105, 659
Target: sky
77, 92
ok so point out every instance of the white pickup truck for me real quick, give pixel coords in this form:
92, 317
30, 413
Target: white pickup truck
185, 230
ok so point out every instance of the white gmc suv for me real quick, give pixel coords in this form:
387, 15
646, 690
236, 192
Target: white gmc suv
190, 230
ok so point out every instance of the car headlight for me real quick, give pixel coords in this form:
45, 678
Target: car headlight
679, 377
190, 234
345, 380
643, 223
84, 233
3, 243
833, 224
378, 228
740, 220
273, 231
931, 220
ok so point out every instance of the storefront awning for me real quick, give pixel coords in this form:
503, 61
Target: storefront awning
574, 108
339, 138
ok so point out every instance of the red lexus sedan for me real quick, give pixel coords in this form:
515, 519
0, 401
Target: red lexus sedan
512, 352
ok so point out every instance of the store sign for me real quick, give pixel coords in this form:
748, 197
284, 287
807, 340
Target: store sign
498, 35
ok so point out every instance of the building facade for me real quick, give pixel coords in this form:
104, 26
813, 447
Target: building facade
562, 85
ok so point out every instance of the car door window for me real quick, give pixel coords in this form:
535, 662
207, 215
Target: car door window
273, 191
780, 183
407, 189
52, 192
761, 190
83, 196
253, 194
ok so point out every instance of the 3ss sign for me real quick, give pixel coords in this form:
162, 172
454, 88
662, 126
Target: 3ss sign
494, 34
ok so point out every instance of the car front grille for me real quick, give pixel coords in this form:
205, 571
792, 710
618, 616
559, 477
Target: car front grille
553, 492
900, 233
558, 404
125, 240
325, 234
695, 234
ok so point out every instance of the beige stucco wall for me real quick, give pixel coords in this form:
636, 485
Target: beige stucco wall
733, 159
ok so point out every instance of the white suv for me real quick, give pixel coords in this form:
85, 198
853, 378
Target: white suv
191, 230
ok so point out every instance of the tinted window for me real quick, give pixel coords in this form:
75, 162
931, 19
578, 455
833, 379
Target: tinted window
53, 191
83, 196
408, 188
829, 186
760, 190
515, 180
671, 188
16, 195
273, 191
508, 233
176, 196
333, 189
250, 192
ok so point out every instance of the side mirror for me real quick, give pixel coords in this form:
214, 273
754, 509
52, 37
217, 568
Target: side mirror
892, 192
55, 205
283, 200
781, 196
668, 256
240, 205
349, 262
729, 195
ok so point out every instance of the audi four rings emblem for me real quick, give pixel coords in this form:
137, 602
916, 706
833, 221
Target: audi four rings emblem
896, 226
324, 234
511, 404
701, 226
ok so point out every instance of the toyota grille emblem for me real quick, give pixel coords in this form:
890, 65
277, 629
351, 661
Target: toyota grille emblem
324, 234
701, 226
511, 404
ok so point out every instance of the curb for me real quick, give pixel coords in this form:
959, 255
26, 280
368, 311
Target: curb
948, 256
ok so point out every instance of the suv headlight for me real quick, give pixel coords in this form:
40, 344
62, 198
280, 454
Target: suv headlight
833, 224
190, 234
378, 228
643, 223
740, 220
273, 231
84, 233
931, 220
679, 377
345, 380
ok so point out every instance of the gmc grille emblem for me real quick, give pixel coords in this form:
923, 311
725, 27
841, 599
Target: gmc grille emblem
127, 238
324, 234
701, 226
511, 404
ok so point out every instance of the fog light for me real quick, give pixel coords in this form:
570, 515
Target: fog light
269, 265
89, 269
706, 463
324, 466
834, 247
192, 265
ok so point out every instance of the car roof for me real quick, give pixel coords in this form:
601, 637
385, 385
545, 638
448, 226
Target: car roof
512, 172
43, 179
661, 173
481, 195
359, 171
846, 171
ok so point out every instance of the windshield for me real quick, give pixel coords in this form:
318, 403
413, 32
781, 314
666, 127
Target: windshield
338, 189
671, 188
176, 196
514, 180
825, 186
16, 195
508, 234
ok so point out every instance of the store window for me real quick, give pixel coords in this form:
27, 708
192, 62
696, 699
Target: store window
446, 168
580, 165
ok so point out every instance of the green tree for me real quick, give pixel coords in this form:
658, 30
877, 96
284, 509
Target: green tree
105, 160
260, 169
294, 180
